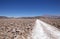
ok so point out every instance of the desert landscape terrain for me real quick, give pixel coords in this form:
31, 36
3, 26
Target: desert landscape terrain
14, 28
10, 28
52, 21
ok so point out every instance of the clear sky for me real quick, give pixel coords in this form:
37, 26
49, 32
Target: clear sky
29, 7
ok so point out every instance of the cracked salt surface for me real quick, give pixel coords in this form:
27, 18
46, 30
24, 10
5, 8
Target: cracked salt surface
43, 30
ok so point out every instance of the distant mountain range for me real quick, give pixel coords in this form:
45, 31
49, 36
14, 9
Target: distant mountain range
50, 16
35, 17
3, 17
56, 17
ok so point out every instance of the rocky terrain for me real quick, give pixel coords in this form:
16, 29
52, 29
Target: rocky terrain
52, 21
10, 28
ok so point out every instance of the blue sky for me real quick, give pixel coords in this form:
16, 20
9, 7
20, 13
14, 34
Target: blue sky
29, 7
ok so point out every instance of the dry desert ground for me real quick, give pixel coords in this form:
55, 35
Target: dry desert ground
11, 28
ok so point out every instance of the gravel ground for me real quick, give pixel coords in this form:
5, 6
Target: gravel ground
16, 28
